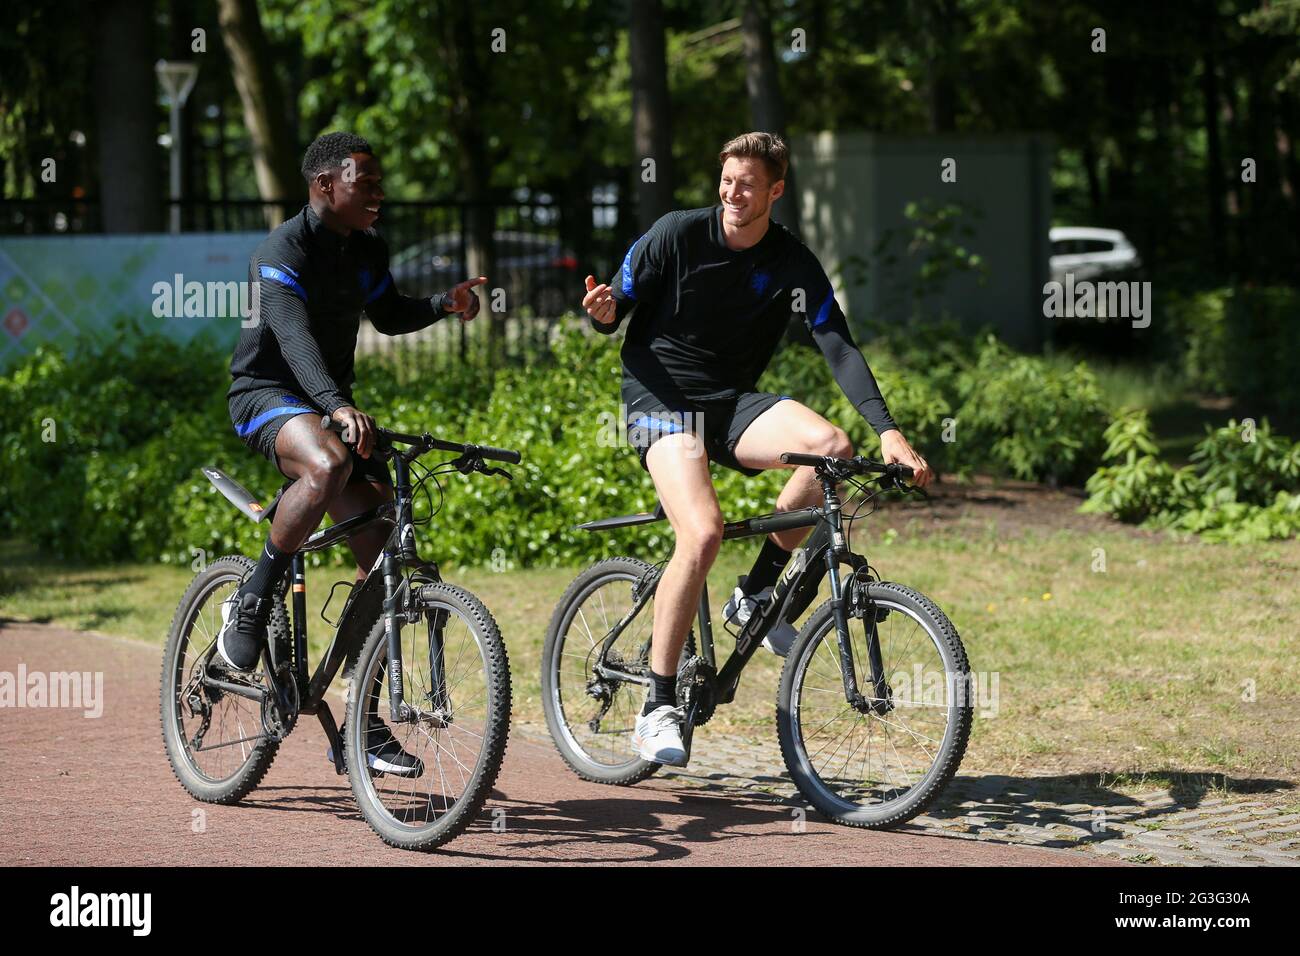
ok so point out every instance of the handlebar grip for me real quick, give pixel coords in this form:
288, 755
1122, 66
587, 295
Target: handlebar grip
498, 454
901, 470
798, 458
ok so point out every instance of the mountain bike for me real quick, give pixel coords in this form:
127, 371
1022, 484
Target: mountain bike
872, 712
425, 653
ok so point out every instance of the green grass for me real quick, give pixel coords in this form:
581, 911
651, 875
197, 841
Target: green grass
1140, 671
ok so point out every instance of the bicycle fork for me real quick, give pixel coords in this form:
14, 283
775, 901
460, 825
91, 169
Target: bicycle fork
837, 551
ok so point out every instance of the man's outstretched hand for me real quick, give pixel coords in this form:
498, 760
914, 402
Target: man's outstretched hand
463, 299
894, 448
599, 302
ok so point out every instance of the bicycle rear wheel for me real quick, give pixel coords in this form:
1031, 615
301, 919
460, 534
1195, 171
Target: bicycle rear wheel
876, 770
215, 741
456, 675
591, 719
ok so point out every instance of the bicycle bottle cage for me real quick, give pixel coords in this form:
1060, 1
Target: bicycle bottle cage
241, 497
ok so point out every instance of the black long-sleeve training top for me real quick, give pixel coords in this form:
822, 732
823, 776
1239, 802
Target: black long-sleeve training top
707, 319
312, 286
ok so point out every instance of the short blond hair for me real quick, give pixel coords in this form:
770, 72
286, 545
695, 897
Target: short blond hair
768, 147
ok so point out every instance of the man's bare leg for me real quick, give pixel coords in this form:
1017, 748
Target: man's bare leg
791, 427
320, 465
680, 470
355, 498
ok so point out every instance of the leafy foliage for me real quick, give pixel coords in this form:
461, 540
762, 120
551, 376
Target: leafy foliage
121, 478
1243, 485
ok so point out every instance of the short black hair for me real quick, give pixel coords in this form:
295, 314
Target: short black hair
331, 150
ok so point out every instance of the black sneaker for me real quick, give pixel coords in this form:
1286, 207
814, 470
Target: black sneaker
383, 752
243, 631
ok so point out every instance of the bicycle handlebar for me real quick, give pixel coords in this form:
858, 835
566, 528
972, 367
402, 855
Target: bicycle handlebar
427, 441
857, 465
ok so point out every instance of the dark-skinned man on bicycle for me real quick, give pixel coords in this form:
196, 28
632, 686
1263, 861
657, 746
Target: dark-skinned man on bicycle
293, 364
711, 292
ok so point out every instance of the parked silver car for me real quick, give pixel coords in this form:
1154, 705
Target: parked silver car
1091, 253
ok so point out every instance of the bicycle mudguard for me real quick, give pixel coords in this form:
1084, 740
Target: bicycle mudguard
241, 497
625, 521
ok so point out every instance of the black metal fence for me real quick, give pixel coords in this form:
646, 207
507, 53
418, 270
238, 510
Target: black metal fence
540, 253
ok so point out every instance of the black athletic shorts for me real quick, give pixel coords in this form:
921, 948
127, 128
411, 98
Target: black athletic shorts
720, 423
258, 416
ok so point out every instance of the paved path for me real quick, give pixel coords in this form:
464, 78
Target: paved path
98, 791
1198, 828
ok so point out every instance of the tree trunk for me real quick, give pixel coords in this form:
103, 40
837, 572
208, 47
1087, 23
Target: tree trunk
275, 162
1213, 160
468, 98
766, 104
130, 180
651, 111
943, 91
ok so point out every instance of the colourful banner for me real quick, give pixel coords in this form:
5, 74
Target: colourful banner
59, 289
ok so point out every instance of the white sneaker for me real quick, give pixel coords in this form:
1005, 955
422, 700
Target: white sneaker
741, 608
658, 736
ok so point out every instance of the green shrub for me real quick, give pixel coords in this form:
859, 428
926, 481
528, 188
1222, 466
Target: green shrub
1021, 415
122, 478
1241, 487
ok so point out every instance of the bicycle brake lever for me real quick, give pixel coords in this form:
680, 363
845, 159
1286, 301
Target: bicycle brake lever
498, 471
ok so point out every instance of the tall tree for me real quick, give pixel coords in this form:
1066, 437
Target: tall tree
127, 117
766, 104
467, 81
275, 162
652, 134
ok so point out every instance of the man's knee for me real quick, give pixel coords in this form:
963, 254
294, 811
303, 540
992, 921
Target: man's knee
830, 440
700, 536
328, 469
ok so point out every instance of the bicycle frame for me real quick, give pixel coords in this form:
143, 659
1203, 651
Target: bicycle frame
387, 592
821, 555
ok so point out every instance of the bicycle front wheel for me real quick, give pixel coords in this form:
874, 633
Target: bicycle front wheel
457, 683
879, 768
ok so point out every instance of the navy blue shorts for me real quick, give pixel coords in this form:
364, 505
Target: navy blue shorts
719, 423
258, 416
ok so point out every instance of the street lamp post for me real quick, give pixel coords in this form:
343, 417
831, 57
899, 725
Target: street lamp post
177, 80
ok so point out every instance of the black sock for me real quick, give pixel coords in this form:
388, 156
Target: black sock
663, 691
767, 568
270, 568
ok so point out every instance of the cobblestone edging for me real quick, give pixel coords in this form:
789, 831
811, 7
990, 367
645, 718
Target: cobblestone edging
1204, 828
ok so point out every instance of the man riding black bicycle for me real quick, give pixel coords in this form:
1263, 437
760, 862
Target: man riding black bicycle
711, 292
315, 274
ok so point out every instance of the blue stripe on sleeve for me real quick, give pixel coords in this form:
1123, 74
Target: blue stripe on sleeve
824, 312
275, 275
628, 289
379, 289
